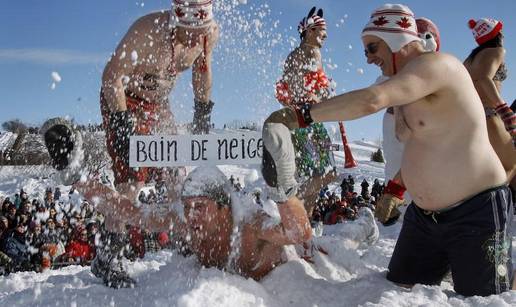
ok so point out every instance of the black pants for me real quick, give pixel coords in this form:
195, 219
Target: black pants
473, 240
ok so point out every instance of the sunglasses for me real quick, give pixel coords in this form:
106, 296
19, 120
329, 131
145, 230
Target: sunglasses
371, 48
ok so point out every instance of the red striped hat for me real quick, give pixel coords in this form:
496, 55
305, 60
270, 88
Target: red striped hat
311, 22
485, 29
393, 23
192, 13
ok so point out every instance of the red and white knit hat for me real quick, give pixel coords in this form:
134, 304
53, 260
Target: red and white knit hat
485, 29
192, 13
393, 23
311, 22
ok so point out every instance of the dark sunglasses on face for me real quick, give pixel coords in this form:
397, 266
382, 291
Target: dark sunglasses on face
371, 48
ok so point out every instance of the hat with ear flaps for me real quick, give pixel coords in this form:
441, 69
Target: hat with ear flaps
394, 24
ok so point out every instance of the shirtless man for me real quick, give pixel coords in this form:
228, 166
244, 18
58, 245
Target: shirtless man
142, 72
461, 214
207, 223
387, 206
136, 84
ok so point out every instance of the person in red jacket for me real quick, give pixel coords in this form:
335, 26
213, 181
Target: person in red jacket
79, 250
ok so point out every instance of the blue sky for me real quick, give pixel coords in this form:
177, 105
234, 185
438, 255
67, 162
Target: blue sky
75, 38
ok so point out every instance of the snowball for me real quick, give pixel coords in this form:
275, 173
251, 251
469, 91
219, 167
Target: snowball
134, 56
56, 77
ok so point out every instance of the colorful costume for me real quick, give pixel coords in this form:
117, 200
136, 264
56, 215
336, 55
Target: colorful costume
312, 144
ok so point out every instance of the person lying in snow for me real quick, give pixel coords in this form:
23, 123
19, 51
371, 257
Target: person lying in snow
207, 217
208, 223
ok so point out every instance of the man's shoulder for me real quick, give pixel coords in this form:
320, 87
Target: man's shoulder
436, 61
151, 20
492, 52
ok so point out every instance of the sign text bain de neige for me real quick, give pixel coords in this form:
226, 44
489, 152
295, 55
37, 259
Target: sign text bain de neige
195, 150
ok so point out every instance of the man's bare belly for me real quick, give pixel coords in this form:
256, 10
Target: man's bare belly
439, 174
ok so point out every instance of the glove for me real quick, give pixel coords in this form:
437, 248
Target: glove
293, 118
59, 140
509, 119
387, 206
279, 162
123, 125
202, 116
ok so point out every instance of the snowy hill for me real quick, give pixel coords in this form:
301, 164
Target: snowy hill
6, 140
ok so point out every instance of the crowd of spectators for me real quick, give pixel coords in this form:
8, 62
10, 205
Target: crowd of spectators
58, 230
332, 208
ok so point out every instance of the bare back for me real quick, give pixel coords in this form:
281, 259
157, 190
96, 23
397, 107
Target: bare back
447, 156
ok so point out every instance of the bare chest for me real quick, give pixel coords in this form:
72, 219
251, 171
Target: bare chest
414, 118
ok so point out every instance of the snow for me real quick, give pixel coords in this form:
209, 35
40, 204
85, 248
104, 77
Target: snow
6, 140
352, 274
56, 77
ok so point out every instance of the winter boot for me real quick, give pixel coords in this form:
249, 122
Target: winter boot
108, 262
64, 145
202, 117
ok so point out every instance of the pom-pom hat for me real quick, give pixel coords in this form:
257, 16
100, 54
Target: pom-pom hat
485, 29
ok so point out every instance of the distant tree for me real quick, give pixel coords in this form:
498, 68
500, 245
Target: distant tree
377, 156
14, 126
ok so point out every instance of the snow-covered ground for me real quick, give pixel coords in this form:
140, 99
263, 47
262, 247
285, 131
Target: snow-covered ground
352, 274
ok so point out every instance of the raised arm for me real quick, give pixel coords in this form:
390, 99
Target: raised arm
419, 78
202, 70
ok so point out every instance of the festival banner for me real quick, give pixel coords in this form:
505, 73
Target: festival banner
195, 150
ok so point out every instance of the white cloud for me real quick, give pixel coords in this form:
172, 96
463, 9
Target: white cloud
52, 56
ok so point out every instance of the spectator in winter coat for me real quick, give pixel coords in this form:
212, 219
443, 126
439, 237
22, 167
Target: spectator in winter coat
51, 235
79, 251
11, 216
15, 247
376, 189
365, 189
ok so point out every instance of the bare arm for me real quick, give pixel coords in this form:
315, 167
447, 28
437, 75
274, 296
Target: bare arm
201, 69
418, 79
293, 228
120, 211
482, 71
121, 66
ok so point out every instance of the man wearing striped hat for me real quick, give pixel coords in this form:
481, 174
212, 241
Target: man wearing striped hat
136, 83
462, 210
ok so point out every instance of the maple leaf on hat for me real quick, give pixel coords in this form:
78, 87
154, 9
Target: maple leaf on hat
380, 21
201, 14
179, 12
404, 23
